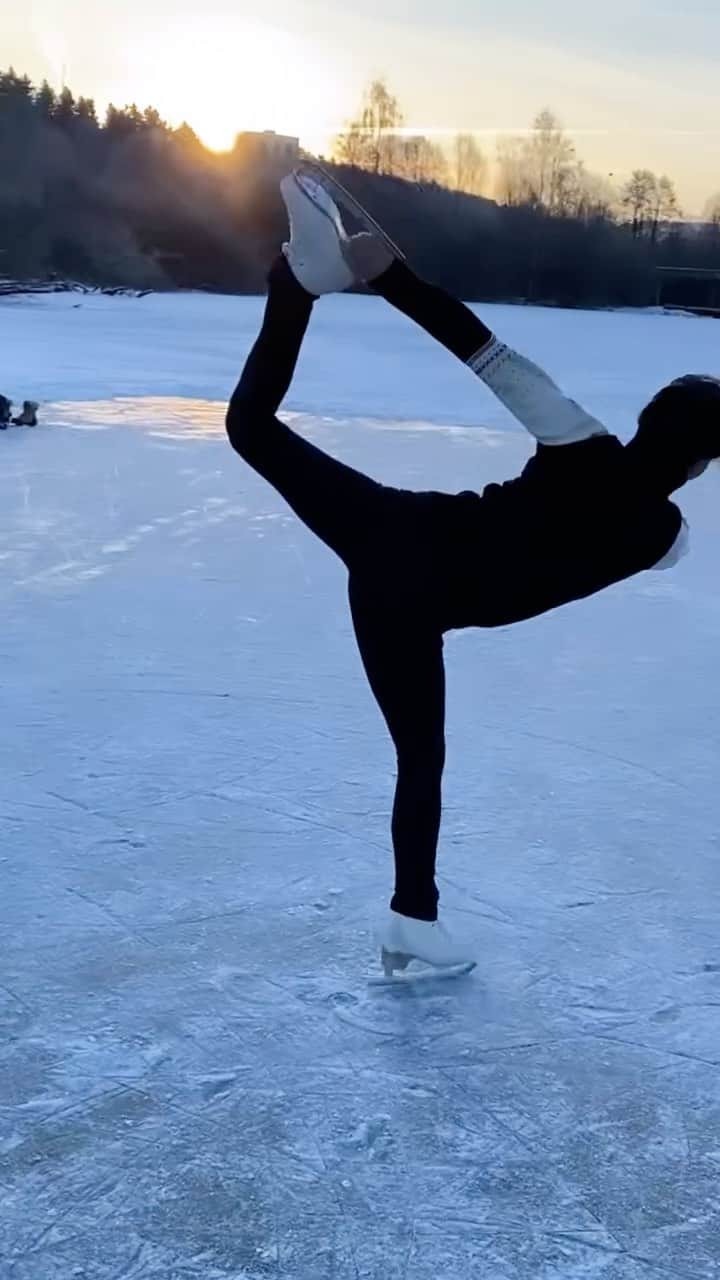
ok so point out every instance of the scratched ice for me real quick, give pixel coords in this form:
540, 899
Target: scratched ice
195, 1079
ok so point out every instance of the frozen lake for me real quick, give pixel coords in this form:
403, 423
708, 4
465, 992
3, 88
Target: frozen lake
196, 1082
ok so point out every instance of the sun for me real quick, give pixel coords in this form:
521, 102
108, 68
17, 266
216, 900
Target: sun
226, 75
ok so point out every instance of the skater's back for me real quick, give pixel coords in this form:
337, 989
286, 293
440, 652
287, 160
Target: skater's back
576, 520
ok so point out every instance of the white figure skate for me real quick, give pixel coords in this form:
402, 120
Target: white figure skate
404, 940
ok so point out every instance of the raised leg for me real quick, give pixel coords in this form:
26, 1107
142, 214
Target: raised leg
336, 502
449, 321
552, 417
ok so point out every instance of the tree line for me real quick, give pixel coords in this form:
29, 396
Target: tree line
125, 200
130, 200
540, 169
373, 141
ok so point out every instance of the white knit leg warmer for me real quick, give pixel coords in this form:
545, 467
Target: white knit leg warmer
532, 397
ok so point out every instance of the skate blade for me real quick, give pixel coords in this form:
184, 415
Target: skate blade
321, 175
414, 977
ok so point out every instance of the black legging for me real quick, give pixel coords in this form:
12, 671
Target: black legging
378, 533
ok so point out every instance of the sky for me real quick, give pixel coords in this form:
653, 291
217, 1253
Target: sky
635, 83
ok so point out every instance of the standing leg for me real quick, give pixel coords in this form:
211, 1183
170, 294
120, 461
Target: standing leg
334, 501
403, 660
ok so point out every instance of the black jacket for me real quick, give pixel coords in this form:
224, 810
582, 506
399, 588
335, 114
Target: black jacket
579, 518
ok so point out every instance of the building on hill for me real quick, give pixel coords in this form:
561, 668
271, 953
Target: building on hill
268, 150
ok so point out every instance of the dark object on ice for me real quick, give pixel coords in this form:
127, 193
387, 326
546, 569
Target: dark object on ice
28, 417
5, 407
8, 288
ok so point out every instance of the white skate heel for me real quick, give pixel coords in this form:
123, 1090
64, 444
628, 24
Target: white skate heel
322, 256
372, 244
404, 940
394, 962
317, 237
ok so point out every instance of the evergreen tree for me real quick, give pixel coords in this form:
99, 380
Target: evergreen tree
65, 111
187, 138
118, 123
151, 119
14, 87
15, 95
85, 110
45, 101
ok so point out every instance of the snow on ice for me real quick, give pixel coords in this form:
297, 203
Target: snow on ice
196, 1080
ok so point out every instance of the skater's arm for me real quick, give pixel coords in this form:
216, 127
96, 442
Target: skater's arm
532, 396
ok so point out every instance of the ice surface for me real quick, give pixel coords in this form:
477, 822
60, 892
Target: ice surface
195, 1079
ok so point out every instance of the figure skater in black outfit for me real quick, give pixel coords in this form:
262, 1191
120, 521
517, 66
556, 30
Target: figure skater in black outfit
585, 512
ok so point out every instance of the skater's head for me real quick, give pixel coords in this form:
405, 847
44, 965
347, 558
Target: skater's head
679, 430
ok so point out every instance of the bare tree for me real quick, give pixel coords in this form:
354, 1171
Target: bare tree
665, 206
468, 165
586, 195
351, 146
419, 160
711, 212
511, 184
650, 201
538, 170
369, 141
638, 197
549, 160
374, 141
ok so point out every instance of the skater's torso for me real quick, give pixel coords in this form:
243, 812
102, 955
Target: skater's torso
578, 519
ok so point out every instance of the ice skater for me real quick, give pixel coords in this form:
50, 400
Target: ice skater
585, 512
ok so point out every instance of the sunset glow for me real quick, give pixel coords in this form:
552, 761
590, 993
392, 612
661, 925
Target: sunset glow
225, 75
640, 92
